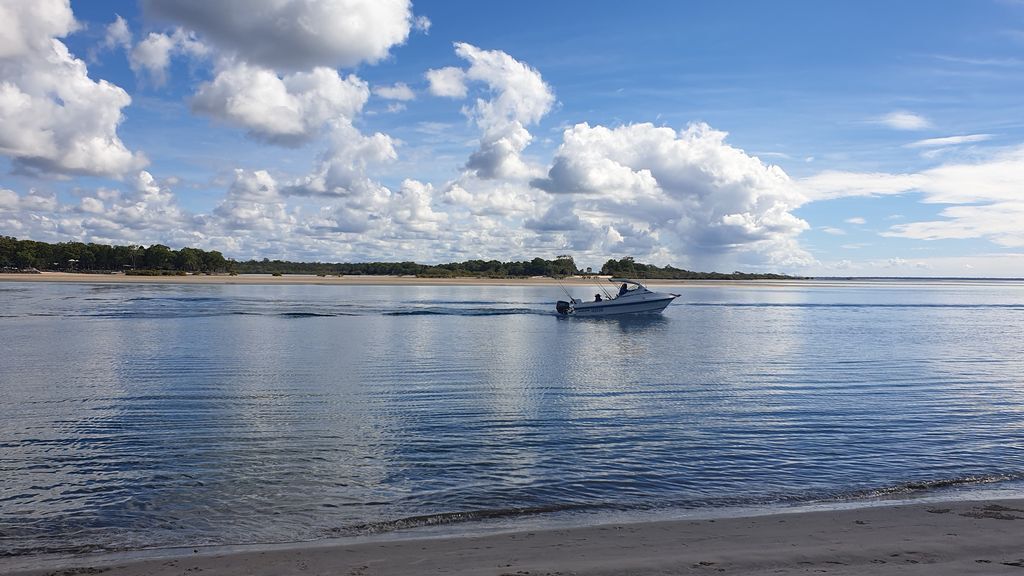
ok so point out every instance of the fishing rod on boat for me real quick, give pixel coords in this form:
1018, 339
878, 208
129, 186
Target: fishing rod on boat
561, 306
564, 289
601, 286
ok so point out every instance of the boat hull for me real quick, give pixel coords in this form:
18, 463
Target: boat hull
613, 308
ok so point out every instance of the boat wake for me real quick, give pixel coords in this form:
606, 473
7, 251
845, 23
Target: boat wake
467, 312
209, 309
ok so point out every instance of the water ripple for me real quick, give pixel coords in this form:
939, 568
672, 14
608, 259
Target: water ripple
153, 416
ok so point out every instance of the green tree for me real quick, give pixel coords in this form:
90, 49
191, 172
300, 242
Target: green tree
25, 259
213, 261
158, 257
563, 265
189, 260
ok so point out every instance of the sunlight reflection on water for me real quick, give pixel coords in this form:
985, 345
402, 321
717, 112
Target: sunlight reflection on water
137, 416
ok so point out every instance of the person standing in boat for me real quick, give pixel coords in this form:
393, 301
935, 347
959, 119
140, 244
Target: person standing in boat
623, 289
597, 297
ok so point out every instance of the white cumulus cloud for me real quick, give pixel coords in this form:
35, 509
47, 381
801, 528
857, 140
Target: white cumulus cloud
28, 27
276, 76
519, 97
153, 54
397, 91
253, 204
93, 205
688, 192
413, 208
118, 34
284, 110
448, 82
146, 213
296, 34
53, 117
342, 170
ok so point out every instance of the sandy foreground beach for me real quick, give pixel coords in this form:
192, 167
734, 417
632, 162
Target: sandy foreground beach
961, 537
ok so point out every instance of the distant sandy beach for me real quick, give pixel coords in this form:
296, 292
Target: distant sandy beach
980, 537
287, 279
337, 280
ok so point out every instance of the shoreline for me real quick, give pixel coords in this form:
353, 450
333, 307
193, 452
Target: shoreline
366, 280
309, 279
935, 537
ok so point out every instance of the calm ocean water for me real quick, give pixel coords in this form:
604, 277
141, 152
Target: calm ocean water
152, 416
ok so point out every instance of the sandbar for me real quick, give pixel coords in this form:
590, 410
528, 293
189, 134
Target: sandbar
935, 538
365, 280
294, 279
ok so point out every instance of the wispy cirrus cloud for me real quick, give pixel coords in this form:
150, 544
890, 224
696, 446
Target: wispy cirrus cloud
903, 120
988, 62
985, 197
949, 141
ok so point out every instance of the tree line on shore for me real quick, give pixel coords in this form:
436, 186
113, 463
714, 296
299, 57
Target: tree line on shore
82, 257
627, 268
160, 259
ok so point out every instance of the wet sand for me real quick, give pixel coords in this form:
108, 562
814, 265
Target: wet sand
981, 537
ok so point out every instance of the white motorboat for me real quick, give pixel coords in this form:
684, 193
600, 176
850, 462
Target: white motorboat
633, 298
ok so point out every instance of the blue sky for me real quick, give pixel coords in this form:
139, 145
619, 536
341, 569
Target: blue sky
868, 138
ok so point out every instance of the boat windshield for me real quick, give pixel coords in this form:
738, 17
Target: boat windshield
630, 284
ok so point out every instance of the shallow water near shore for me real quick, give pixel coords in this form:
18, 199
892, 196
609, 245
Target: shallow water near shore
139, 416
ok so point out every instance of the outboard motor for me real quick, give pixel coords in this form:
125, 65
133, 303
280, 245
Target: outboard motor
563, 307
